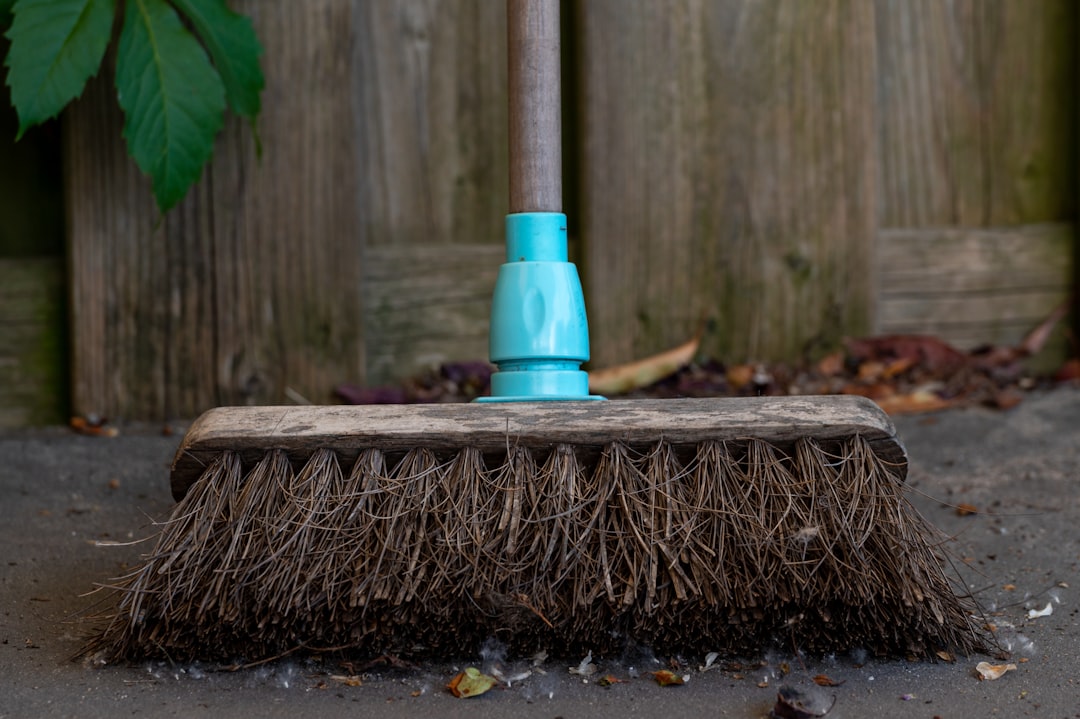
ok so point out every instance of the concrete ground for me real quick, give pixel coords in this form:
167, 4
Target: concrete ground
68, 498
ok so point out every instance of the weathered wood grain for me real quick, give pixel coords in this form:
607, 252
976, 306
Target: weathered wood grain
431, 110
974, 286
250, 285
731, 155
346, 430
33, 376
431, 121
728, 171
384, 127
974, 129
426, 305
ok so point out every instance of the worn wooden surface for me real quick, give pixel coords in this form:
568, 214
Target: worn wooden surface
976, 126
427, 304
33, 378
252, 431
974, 286
250, 285
731, 160
431, 114
977, 166
728, 171
383, 129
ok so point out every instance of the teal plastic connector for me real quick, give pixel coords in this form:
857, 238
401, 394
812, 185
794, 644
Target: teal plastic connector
539, 332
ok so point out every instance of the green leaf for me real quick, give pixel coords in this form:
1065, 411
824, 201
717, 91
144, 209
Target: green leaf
233, 47
173, 99
470, 683
56, 46
5, 13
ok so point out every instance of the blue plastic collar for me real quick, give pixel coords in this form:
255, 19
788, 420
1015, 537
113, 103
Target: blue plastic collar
539, 333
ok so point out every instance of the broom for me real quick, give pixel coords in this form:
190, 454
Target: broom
688, 525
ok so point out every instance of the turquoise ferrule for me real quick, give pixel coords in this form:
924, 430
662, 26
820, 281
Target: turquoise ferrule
539, 333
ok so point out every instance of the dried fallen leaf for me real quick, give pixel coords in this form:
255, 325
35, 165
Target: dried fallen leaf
666, 678
823, 680
1009, 587
926, 351
93, 426
831, 364
1036, 338
608, 680
644, 372
921, 400
946, 656
870, 371
897, 367
964, 509
740, 375
351, 680
470, 683
990, 671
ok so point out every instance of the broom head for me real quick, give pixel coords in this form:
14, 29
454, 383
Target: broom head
687, 525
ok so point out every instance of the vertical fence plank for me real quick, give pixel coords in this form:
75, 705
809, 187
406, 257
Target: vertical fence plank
432, 158
33, 385
116, 259
975, 121
727, 172
977, 132
251, 285
384, 152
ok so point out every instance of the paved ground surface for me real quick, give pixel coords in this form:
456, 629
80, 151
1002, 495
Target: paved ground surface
64, 495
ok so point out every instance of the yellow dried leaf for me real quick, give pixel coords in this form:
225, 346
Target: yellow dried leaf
823, 680
990, 671
740, 375
351, 680
644, 372
470, 683
667, 678
946, 656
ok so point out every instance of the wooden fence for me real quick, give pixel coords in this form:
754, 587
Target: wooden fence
796, 171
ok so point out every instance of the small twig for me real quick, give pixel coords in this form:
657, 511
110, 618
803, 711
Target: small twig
523, 600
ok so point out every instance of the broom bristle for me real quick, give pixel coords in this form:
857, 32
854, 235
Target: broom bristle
725, 547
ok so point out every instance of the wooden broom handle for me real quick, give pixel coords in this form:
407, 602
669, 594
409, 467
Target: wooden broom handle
535, 106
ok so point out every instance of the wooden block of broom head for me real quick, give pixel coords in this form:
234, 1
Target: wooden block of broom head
540, 426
